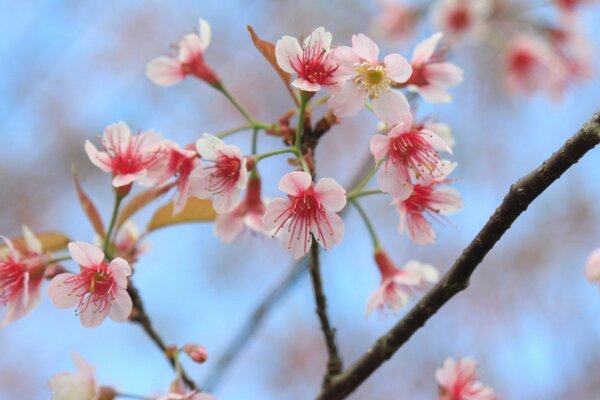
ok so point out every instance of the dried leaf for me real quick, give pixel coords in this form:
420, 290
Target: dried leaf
140, 201
196, 210
51, 241
88, 206
267, 49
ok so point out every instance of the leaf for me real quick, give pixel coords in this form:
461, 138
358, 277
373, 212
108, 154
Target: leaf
51, 241
196, 210
267, 49
88, 206
140, 201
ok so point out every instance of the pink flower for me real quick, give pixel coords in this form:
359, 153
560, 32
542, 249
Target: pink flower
196, 352
166, 71
187, 396
21, 277
397, 285
81, 386
428, 200
397, 20
530, 65
408, 152
592, 267
311, 61
459, 17
248, 214
431, 76
127, 157
310, 210
178, 163
127, 242
458, 381
225, 179
98, 290
368, 78
570, 6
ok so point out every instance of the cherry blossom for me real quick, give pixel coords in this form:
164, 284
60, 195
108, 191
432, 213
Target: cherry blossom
248, 214
21, 277
592, 267
428, 200
98, 290
397, 20
127, 157
406, 152
570, 6
127, 242
225, 179
368, 78
178, 163
458, 381
460, 17
397, 285
431, 76
196, 352
80, 386
166, 71
311, 61
310, 210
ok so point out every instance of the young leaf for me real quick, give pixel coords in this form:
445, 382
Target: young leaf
267, 49
196, 210
51, 241
88, 206
140, 201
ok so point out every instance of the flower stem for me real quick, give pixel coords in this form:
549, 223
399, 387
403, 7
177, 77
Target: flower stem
236, 103
364, 181
254, 139
353, 195
274, 153
228, 132
59, 259
368, 224
300, 131
133, 396
118, 198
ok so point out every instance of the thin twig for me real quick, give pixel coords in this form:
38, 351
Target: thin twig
519, 197
334, 361
139, 315
246, 333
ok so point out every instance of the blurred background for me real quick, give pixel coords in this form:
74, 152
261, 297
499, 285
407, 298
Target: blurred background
70, 68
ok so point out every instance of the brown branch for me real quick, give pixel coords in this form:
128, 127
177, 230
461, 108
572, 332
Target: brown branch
520, 195
334, 361
139, 315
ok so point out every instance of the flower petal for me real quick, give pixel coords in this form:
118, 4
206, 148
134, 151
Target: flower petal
164, 71
275, 213
33, 243
348, 101
287, 49
91, 317
379, 146
229, 226
424, 50
295, 183
85, 254
330, 194
592, 267
398, 68
390, 106
61, 293
121, 307
205, 34
365, 47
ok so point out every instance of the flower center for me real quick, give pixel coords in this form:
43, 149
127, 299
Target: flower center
373, 79
312, 65
95, 287
11, 280
459, 19
413, 151
225, 174
127, 158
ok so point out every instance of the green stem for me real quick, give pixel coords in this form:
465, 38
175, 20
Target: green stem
118, 199
300, 131
274, 153
133, 396
236, 103
254, 139
368, 224
59, 259
365, 180
363, 193
318, 102
228, 132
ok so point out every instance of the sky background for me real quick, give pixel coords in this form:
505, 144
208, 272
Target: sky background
70, 68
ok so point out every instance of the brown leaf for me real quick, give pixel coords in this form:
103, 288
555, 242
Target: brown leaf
140, 201
88, 206
267, 49
51, 241
196, 210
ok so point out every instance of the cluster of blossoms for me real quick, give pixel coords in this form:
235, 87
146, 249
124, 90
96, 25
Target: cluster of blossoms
457, 380
536, 56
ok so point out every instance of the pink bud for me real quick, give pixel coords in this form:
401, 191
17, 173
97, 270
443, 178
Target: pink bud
196, 352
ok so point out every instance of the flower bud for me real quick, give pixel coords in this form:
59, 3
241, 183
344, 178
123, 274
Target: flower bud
196, 352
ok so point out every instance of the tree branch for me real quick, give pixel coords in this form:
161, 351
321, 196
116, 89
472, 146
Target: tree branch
334, 361
255, 320
139, 315
520, 195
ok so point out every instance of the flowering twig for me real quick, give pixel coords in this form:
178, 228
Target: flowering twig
334, 361
519, 197
140, 316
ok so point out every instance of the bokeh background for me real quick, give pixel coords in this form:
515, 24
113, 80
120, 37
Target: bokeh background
68, 69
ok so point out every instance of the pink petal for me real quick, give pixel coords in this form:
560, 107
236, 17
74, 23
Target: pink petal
433, 94
125, 179
365, 47
346, 58
435, 141
452, 201
443, 74
227, 201
379, 146
229, 226
390, 181
403, 126
424, 50
347, 102
390, 106
164, 71
420, 230
398, 68
85, 368
190, 48
99, 159
287, 49
274, 214
242, 181
374, 302
60, 292
298, 247
205, 34
333, 231
120, 270
210, 147
90, 317
330, 194
17, 308
319, 36
121, 307
86, 254
592, 267
33, 243
306, 85
295, 183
